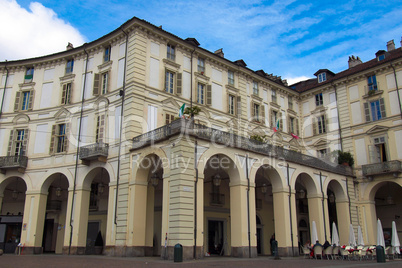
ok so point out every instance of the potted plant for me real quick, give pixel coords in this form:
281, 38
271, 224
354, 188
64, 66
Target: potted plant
99, 244
344, 158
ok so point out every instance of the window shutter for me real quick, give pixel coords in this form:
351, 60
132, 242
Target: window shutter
108, 82
64, 94
289, 125
52, 139
373, 154
31, 99
209, 95
179, 82
17, 101
66, 137
96, 85
101, 128
367, 111
228, 102
252, 110
238, 105
382, 108
271, 122
314, 124
280, 121
25, 142
69, 94
297, 127
10, 143
262, 108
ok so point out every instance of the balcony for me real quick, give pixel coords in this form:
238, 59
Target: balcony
13, 162
185, 127
98, 151
371, 170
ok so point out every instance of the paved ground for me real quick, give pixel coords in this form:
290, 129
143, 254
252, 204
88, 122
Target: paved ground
61, 261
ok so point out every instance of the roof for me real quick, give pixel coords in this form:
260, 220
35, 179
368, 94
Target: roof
310, 84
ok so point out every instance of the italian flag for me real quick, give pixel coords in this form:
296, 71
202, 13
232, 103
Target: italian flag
276, 128
181, 111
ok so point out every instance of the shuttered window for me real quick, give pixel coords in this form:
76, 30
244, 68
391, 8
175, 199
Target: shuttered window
59, 141
173, 82
169, 118
24, 100
66, 94
204, 94
101, 83
18, 142
231, 104
320, 125
374, 110
100, 128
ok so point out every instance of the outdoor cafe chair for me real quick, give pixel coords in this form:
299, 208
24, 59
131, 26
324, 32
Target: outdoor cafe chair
328, 252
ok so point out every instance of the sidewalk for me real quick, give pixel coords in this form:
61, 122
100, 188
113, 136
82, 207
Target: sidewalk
88, 261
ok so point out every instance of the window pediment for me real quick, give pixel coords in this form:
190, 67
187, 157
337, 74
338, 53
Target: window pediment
171, 64
377, 129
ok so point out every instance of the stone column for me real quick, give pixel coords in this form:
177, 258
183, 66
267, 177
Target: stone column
111, 226
315, 214
78, 236
33, 222
200, 218
342, 213
368, 208
137, 218
283, 220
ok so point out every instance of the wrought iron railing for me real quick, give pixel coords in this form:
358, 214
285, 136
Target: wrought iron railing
18, 161
186, 127
94, 150
382, 168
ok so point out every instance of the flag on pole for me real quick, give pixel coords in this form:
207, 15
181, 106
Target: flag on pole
181, 111
276, 128
294, 136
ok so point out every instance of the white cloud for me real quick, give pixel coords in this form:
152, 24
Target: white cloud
33, 33
293, 80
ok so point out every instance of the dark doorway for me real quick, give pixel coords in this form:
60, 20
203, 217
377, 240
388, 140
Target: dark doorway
215, 237
48, 243
259, 241
92, 233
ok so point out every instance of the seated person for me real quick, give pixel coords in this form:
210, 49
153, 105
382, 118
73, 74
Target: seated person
326, 244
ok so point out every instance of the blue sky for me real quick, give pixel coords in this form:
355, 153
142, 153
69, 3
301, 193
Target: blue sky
289, 38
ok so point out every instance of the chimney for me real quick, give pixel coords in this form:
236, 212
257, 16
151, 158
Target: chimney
390, 45
401, 41
69, 46
219, 52
354, 61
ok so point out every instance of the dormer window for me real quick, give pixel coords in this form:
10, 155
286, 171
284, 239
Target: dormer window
381, 57
322, 77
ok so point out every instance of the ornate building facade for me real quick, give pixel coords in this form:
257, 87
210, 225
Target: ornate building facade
94, 158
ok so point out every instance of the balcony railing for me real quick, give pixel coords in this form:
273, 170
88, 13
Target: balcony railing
382, 168
10, 162
94, 151
188, 127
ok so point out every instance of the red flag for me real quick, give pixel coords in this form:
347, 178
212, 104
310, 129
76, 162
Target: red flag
294, 136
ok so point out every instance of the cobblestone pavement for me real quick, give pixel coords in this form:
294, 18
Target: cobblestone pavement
61, 261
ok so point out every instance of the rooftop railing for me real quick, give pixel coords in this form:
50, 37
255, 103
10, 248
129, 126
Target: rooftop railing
187, 127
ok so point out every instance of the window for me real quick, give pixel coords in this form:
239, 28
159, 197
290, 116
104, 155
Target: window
66, 94
169, 118
231, 78
100, 128
322, 153
200, 93
201, 65
93, 197
59, 140
255, 88
69, 66
380, 154
29, 75
101, 84
381, 57
169, 82
322, 77
290, 102
321, 124
171, 54
231, 104
374, 110
24, 100
273, 94
256, 112
318, 99
274, 118
372, 83
18, 142
106, 55
293, 126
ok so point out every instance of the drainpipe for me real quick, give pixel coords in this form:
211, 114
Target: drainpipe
323, 211
397, 90
195, 198
78, 150
290, 209
339, 121
4, 91
248, 207
347, 191
122, 94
